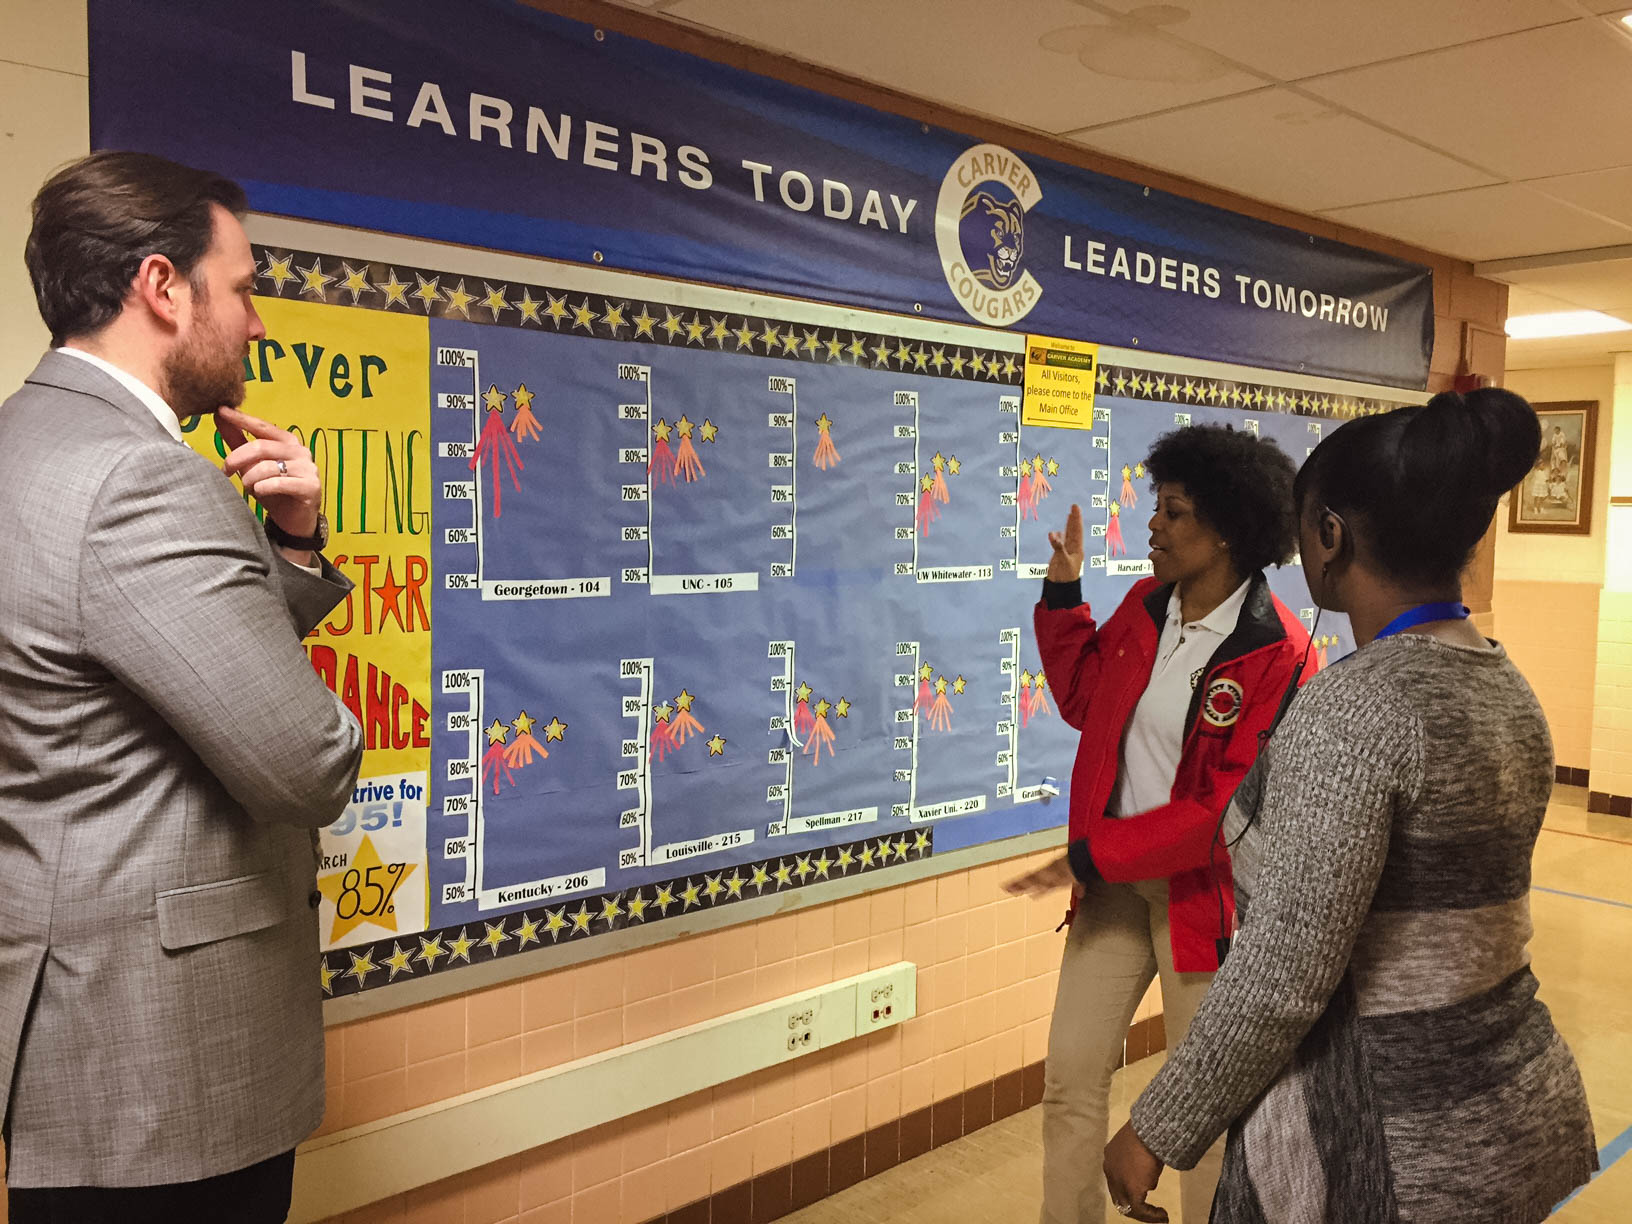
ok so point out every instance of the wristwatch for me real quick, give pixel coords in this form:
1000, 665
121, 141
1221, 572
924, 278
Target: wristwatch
312, 543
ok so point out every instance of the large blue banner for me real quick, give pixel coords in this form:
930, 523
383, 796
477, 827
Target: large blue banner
490, 123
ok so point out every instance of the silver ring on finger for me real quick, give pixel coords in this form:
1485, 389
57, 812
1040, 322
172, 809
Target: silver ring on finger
283, 468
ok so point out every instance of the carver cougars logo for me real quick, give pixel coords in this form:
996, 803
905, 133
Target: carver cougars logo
980, 232
1222, 705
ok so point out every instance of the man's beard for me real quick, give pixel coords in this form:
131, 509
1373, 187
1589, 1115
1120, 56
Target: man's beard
202, 375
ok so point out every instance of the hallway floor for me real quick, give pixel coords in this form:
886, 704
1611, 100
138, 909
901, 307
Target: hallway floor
1582, 907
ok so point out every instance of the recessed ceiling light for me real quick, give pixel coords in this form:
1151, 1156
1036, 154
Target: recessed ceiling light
1564, 323
1627, 19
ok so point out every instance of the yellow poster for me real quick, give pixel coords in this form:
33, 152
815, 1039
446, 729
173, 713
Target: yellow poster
1060, 377
353, 386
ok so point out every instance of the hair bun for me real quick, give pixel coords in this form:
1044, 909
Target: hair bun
1484, 441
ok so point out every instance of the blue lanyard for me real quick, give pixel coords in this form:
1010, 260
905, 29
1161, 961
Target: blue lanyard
1424, 614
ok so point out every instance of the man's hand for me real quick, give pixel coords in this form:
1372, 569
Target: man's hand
1066, 563
291, 494
1046, 879
1131, 1172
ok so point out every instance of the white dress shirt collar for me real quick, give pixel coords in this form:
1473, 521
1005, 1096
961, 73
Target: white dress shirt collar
150, 399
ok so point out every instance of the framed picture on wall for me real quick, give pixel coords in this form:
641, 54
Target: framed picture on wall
1556, 496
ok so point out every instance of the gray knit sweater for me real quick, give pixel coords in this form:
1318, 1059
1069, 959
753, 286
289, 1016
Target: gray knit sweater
1373, 1041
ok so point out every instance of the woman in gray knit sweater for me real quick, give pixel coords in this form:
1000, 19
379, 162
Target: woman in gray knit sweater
1373, 1042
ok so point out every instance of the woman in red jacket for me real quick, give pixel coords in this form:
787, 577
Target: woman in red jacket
1172, 695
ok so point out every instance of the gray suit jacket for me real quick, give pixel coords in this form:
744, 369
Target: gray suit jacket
165, 752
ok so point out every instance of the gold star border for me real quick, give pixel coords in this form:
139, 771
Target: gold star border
349, 970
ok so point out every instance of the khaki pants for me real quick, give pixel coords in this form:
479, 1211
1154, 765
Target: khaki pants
1117, 943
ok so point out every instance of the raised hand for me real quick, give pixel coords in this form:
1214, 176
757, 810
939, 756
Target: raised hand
1066, 563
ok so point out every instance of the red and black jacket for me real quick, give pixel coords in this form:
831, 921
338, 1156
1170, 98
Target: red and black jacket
1098, 674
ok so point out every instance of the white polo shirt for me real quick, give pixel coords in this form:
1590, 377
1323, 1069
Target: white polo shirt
1154, 739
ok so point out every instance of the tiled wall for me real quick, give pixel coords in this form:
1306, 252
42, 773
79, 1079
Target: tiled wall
1612, 697
988, 963
1551, 631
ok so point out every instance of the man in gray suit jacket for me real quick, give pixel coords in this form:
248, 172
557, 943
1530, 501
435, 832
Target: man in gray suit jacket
166, 750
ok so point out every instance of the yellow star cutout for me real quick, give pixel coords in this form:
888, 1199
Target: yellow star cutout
1025, 467
718, 331
900, 848
1139, 471
1116, 510
784, 876
683, 427
803, 692
939, 461
279, 272
843, 708
361, 967
496, 301
637, 908
1127, 472
428, 292
557, 308
760, 878
977, 364
497, 733
925, 672
399, 962
804, 868
953, 465
958, 363
770, 338
937, 358
822, 865
583, 316
713, 888
708, 430
459, 949
665, 898
822, 707
813, 341
613, 318
493, 398
554, 730
734, 885
333, 886
664, 712
716, 746
1042, 680
496, 935
959, 685
326, 974
903, 354
529, 308
691, 894
660, 431
1025, 678
523, 397
355, 282
581, 918
1008, 365
430, 949
460, 300
396, 291
683, 702
644, 322
940, 686
745, 337
920, 359
881, 354
824, 422
847, 859
694, 330
867, 856
834, 347
1053, 467
555, 922
857, 348
314, 279
526, 931
790, 343
920, 843
928, 483
611, 911
524, 724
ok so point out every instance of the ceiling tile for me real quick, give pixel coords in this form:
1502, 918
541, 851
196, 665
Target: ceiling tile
1604, 285
1522, 301
1523, 106
1607, 192
957, 53
1497, 222
1288, 39
1274, 145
